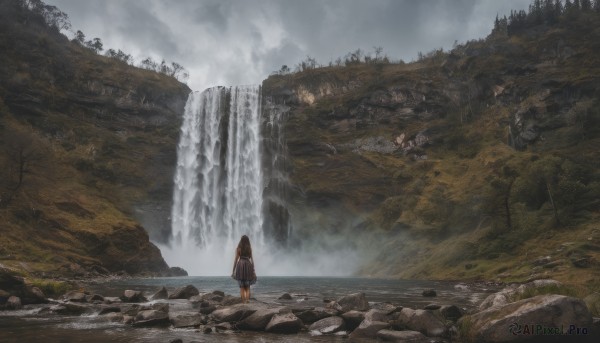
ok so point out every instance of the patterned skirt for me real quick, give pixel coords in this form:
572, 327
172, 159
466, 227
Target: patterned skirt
244, 272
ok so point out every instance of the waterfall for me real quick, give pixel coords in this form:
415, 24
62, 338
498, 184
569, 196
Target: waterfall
217, 194
232, 179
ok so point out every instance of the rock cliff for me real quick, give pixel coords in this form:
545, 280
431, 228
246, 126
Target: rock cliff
466, 164
87, 153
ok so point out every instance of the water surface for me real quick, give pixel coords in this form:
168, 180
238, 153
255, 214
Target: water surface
27, 327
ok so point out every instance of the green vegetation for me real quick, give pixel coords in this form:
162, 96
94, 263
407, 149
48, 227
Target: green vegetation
82, 142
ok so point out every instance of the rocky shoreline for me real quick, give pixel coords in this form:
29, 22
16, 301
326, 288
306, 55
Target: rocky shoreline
499, 318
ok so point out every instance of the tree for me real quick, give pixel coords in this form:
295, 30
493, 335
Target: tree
284, 70
56, 18
24, 154
95, 44
378, 50
80, 37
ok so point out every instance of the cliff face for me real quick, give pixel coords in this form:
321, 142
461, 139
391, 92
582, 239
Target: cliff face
87, 153
469, 164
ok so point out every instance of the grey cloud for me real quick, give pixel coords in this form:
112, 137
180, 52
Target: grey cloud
229, 42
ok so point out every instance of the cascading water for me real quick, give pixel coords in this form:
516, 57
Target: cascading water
218, 181
231, 179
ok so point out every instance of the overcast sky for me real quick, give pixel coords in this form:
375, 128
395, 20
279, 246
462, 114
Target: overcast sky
230, 42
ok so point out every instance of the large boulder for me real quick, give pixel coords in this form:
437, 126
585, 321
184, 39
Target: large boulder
509, 293
376, 315
34, 295
151, 318
423, 321
313, 315
131, 296
258, 320
386, 307
402, 336
236, 313
185, 292
353, 319
328, 325
186, 319
356, 301
515, 321
368, 329
286, 323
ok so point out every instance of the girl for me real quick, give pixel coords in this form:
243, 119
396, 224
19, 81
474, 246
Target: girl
243, 268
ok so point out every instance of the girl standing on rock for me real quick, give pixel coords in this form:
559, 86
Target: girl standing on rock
243, 268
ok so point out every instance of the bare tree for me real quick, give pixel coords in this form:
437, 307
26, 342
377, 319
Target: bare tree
24, 153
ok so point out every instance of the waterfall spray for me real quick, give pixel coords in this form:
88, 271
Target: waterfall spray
230, 181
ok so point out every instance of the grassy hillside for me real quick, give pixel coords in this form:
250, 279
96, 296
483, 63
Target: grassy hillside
86, 140
479, 163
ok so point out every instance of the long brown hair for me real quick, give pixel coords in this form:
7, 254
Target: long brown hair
244, 247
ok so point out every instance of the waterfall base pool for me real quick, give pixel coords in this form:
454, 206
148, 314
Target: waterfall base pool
27, 325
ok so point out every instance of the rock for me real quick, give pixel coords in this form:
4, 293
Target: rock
386, 307
368, 329
69, 309
211, 297
130, 296
95, 298
318, 313
236, 312
13, 303
593, 303
128, 319
185, 292
513, 321
507, 294
160, 295
207, 309
258, 320
537, 284
218, 293
151, 318
176, 340
328, 325
285, 296
353, 319
109, 309
429, 293
36, 296
432, 307
207, 330
186, 319
131, 310
114, 317
112, 300
75, 296
163, 307
286, 323
356, 301
177, 271
333, 305
223, 326
451, 312
423, 321
376, 316
229, 300
402, 336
